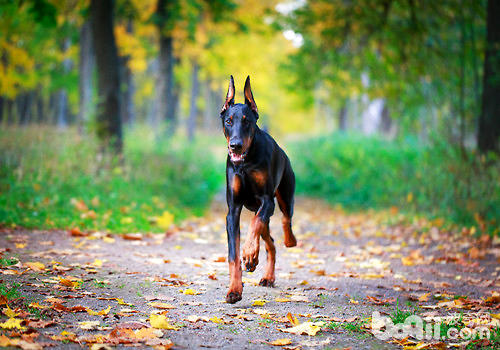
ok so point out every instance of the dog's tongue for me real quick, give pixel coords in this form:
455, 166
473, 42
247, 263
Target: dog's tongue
236, 157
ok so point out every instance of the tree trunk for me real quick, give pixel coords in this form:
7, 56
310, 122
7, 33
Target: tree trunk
385, 120
87, 61
62, 95
127, 87
193, 110
165, 95
108, 123
489, 120
40, 114
343, 117
2, 103
24, 107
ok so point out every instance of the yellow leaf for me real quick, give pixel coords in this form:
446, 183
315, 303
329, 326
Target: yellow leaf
9, 312
424, 297
35, 266
409, 197
109, 239
281, 342
99, 313
216, 319
159, 305
126, 220
148, 333
122, 302
189, 291
20, 245
160, 322
352, 301
97, 263
72, 283
88, 325
282, 300
309, 328
259, 302
293, 320
12, 323
165, 220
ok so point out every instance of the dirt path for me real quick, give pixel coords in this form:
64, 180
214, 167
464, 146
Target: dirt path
345, 268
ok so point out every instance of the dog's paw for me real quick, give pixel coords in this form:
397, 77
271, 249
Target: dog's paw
251, 263
266, 282
290, 241
250, 258
233, 297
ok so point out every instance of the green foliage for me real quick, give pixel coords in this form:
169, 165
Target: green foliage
437, 180
8, 262
53, 179
415, 54
10, 291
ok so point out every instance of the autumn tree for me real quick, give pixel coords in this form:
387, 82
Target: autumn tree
489, 121
108, 122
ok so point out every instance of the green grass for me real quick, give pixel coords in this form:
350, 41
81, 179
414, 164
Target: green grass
10, 291
436, 180
59, 179
491, 344
8, 261
358, 328
399, 316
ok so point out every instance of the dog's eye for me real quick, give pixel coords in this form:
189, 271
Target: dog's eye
229, 121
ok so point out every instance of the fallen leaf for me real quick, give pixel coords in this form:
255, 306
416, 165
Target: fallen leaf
160, 322
99, 313
35, 266
12, 323
132, 236
9, 312
309, 328
165, 220
76, 232
282, 300
293, 320
259, 302
195, 318
189, 291
424, 297
160, 305
88, 325
281, 342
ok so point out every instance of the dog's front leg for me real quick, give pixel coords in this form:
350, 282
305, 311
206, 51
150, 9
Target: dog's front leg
233, 243
259, 227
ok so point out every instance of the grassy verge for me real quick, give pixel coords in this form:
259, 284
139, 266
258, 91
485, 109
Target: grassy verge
59, 179
436, 180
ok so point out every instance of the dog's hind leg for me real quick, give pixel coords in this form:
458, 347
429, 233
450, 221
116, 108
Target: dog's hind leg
285, 197
268, 279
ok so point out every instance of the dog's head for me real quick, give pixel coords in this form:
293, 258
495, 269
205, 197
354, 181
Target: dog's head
239, 122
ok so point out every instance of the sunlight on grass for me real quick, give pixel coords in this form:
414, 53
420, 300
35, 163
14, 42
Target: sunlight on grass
55, 179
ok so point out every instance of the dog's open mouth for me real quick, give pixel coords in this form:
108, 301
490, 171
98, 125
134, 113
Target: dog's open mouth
237, 157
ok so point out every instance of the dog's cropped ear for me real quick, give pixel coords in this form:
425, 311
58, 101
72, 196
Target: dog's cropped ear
249, 97
229, 96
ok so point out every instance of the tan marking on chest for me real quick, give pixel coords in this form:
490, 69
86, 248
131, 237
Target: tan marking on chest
236, 184
260, 177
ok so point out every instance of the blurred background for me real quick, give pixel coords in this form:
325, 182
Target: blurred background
109, 110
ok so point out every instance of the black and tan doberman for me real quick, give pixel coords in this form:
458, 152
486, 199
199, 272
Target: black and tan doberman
257, 171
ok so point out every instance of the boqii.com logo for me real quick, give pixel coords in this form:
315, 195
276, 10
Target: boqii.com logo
414, 326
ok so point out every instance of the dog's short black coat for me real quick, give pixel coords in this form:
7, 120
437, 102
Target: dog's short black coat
257, 171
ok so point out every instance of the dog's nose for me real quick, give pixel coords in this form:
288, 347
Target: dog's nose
235, 145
